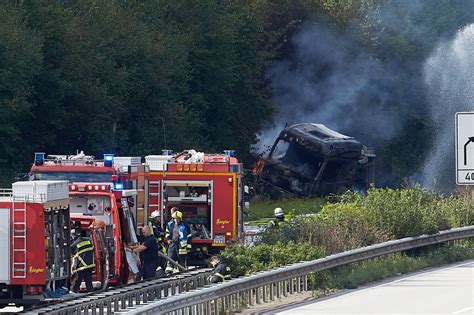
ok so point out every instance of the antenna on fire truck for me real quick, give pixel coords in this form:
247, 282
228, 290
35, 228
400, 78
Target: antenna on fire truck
164, 130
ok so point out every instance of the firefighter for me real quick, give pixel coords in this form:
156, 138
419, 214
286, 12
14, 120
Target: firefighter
155, 224
83, 261
220, 271
177, 238
170, 222
148, 254
279, 218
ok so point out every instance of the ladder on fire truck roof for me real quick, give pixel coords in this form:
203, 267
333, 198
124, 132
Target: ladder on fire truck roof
19, 239
154, 199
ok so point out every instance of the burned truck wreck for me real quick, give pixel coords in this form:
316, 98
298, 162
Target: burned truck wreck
310, 159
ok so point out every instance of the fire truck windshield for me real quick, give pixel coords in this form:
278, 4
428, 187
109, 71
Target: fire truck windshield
97, 206
73, 177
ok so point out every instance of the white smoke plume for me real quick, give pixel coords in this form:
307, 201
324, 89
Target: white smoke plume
449, 81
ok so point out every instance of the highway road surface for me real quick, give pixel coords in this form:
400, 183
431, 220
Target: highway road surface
446, 290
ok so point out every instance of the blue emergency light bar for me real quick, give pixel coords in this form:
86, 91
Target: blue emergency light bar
118, 186
108, 159
39, 158
229, 153
167, 152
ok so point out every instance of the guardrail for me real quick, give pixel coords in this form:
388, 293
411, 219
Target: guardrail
236, 294
116, 299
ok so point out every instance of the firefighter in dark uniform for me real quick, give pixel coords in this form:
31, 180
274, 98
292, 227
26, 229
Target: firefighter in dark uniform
84, 261
155, 225
220, 272
148, 253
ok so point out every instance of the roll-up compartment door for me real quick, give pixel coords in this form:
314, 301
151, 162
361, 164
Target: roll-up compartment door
5, 245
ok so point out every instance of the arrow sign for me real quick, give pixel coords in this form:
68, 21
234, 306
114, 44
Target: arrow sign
465, 148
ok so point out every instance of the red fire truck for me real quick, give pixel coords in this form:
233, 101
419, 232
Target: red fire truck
99, 204
34, 241
207, 189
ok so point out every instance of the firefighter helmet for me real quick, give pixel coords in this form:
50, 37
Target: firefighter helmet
278, 212
177, 214
155, 214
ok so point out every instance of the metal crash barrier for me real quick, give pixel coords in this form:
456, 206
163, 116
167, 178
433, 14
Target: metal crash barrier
114, 300
234, 295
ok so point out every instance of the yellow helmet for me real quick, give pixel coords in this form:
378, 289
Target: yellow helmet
177, 214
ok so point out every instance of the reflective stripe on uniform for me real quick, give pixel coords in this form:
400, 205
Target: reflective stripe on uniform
84, 243
83, 264
84, 251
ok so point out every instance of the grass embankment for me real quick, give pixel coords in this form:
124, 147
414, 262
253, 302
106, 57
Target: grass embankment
373, 270
261, 212
356, 221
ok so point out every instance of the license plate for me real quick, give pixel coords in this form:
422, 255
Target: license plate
219, 239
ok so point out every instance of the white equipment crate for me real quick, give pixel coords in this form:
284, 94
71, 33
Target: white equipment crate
157, 162
41, 190
123, 162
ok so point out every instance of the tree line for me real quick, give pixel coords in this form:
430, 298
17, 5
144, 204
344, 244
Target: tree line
134, 77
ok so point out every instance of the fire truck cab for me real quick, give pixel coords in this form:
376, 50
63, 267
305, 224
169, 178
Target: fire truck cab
207, 189
34, 242
99, 205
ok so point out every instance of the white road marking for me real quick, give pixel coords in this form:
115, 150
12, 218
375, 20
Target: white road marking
463, 310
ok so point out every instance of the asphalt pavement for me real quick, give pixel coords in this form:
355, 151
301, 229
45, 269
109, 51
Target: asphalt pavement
444, 290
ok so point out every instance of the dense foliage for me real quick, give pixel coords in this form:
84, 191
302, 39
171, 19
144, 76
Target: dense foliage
355, 221
134, 77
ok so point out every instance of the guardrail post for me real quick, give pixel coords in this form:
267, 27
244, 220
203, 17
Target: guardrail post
278, 289
221, 305
137, 297
116, 305
123, 304
271, 292
238, 301
305, 282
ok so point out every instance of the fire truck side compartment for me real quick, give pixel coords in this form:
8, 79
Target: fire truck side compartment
4, 245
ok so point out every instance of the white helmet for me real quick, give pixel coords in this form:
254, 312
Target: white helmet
155, 214
278, 212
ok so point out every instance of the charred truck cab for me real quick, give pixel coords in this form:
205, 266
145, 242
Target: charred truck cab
312, 160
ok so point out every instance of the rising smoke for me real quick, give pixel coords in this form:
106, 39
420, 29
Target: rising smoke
449, 81
324, 81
